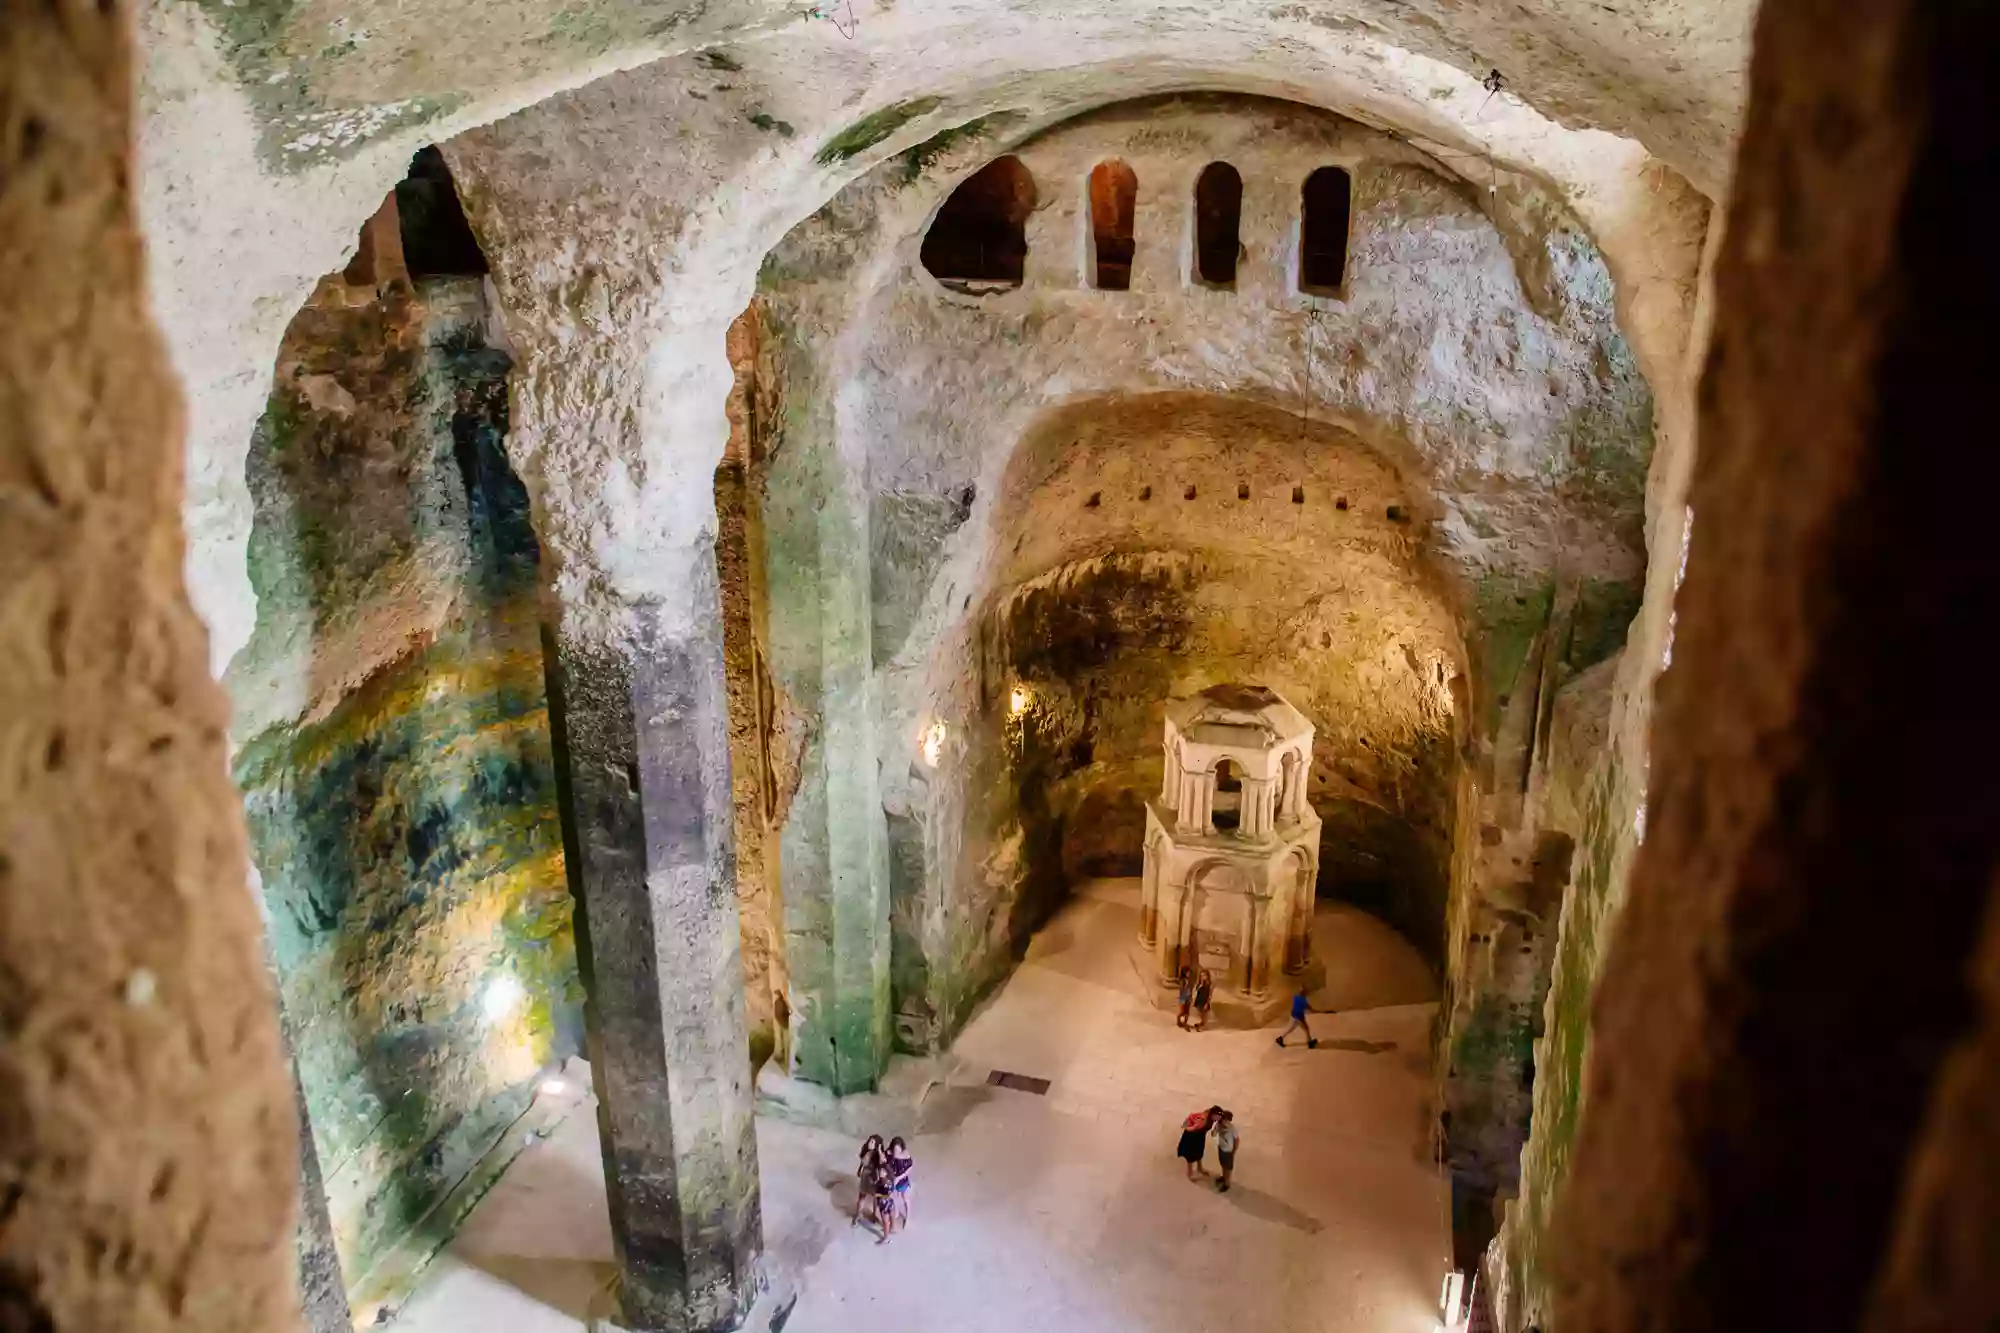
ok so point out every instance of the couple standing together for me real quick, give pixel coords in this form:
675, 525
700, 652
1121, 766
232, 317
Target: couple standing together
1194, 1143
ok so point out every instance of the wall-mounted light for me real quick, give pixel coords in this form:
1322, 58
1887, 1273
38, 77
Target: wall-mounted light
1019, 701
502, 994
933, 745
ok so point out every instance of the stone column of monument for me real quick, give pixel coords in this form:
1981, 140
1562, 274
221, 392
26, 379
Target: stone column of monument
1167, 948
1149, 902
1298, 927
147, 1142
638, 711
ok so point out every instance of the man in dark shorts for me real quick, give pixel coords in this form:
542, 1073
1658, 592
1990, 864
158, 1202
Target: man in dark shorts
1225, 1148
1299, 1011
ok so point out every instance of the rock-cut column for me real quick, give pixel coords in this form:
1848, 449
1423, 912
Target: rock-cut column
642, 750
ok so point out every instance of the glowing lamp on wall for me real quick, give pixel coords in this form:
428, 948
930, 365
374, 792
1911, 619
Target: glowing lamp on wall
1020, 701
933, 745
501, 996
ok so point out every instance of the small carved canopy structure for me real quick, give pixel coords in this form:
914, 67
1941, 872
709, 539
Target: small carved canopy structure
1218, 215
1114, 198
1326, 206
979, 239
1230, 874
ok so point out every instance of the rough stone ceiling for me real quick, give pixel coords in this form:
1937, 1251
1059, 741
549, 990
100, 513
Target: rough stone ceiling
271, 130
332, 73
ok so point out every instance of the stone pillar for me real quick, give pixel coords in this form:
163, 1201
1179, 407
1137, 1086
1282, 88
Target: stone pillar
1204, 801
1807, 968
642, 762
834, 849
147, 1142
322, 1289
1173, 925
1149, 894
1259, 806
1267, 954
1299, 914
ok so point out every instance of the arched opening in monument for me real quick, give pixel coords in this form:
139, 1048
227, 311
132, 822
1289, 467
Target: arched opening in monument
979, 239
1114, 199
1227, 811
1325, 208
1218, 208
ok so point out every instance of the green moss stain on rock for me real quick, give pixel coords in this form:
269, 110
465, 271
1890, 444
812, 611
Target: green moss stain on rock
912, 163
834, 858
1509, 611
404, 827
872, 129
1603, 613
1608, 841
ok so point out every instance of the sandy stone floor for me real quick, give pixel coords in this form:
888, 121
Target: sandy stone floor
1064, 1213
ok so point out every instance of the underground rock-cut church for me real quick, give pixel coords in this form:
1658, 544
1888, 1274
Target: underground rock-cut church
602, 599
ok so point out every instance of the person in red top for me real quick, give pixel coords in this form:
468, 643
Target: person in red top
1194, 1139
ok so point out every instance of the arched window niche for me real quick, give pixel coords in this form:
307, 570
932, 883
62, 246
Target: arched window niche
978, 242
1114, 197
1326, 204
1218, 215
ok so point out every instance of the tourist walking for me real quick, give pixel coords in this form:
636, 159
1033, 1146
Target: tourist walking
1194, 1140
900, 1164
1300, 1008
1204, 995
1186, 997
1226, 1139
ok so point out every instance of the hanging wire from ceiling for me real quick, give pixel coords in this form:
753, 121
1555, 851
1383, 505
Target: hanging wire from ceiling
840, 15
1308, 370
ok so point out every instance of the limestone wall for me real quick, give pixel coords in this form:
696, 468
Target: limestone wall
1478, 358
395, 761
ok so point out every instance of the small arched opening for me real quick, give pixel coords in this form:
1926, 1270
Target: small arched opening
1218, 212
979, 239
1228, 807
1114, 197
1326, 208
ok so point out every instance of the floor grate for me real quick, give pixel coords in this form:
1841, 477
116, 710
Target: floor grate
1000, 1078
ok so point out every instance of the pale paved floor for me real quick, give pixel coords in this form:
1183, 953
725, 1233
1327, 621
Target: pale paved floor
1065, 1213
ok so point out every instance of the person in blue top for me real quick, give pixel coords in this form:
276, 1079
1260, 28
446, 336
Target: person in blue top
1299, 1011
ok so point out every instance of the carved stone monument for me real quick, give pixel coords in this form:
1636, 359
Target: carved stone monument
1232, 851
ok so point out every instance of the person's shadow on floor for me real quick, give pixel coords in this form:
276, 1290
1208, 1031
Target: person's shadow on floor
1357, 1045
1270, 1208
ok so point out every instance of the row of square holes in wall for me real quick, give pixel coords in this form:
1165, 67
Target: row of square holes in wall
1394, 513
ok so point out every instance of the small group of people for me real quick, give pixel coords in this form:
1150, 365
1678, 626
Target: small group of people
883, 1185
1197, 993
1194, 1144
